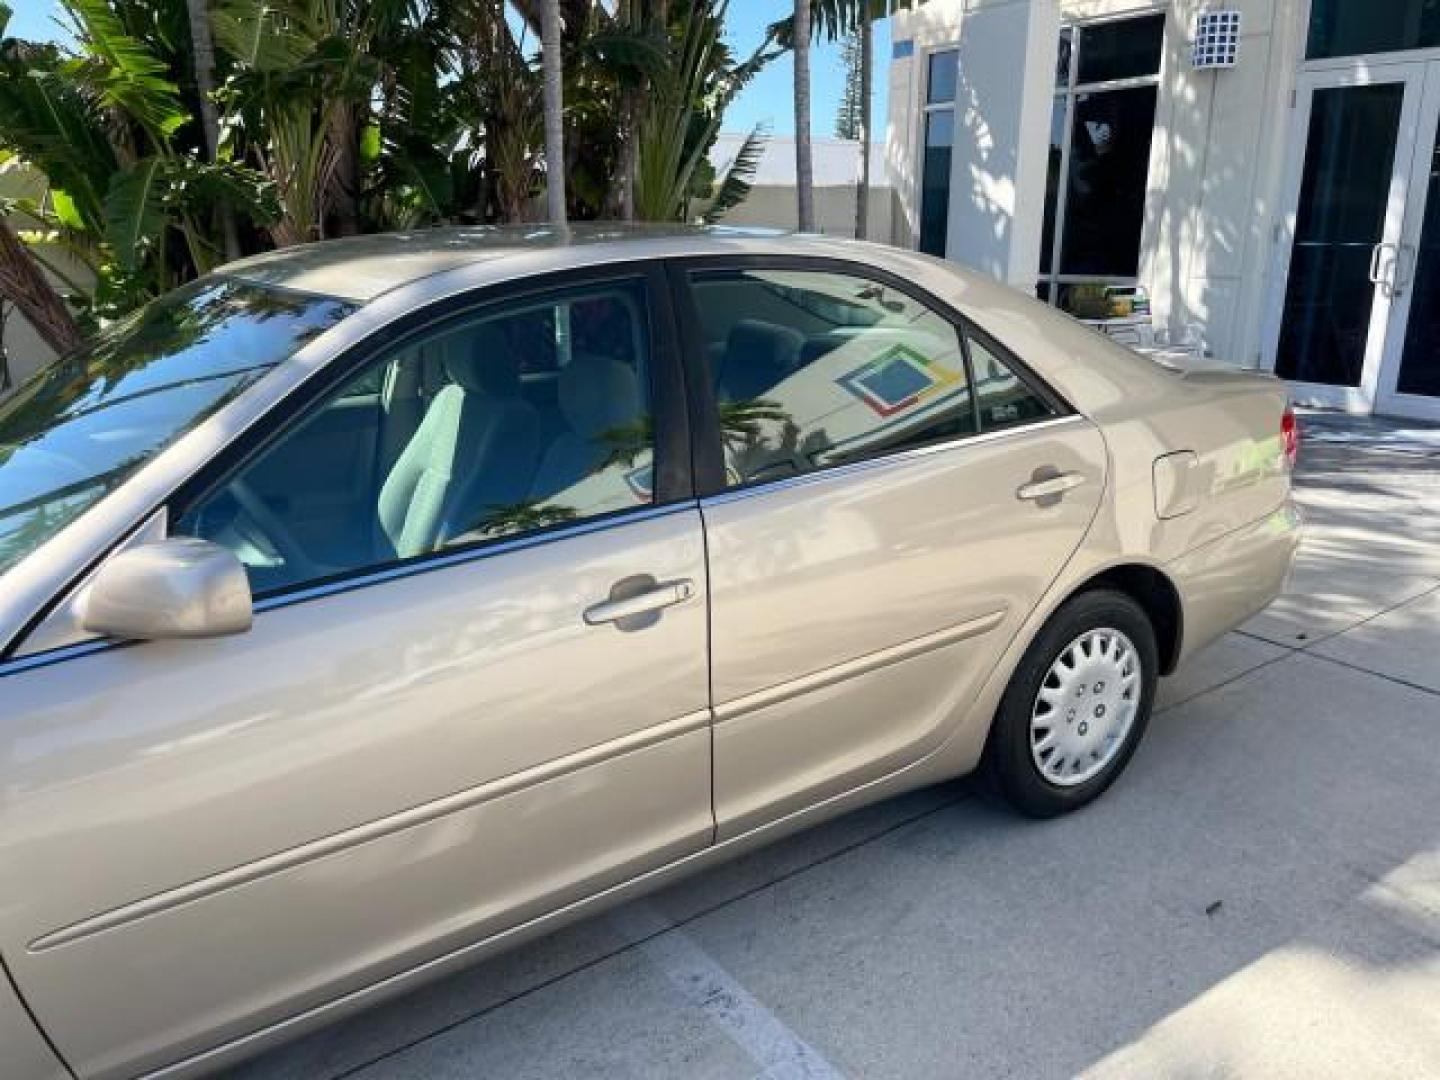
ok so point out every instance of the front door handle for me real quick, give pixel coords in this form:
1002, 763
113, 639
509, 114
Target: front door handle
1052, 487
634, 598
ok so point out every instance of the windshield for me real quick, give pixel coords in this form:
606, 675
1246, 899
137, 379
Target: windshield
86, 423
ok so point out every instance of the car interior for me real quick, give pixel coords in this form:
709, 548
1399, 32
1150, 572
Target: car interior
465, 435
814, 369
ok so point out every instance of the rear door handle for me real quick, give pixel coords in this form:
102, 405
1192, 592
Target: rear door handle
651, 600
1049, 488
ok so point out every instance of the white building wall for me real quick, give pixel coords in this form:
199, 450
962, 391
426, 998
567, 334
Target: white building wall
836, 170
1217, 156
23, 347
1002, 115
1216, 172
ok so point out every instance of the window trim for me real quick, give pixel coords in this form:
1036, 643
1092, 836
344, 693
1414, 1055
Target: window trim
674, 485
851, 468
708, 449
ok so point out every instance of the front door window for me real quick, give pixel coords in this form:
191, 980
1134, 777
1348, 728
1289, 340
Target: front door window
522, 417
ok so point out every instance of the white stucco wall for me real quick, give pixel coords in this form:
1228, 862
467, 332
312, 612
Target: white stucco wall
23, 346
836, 170
1217, 167
1217, 157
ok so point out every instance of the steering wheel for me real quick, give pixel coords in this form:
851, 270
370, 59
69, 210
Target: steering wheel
274, 528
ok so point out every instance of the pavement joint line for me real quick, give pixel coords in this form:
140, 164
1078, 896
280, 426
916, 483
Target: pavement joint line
1309, 644
1287, 655
1268, 641
702, 981
554, 980
1306, 649
1396, 606
1396, 679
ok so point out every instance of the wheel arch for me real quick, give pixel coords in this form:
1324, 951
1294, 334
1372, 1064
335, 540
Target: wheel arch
1153, 590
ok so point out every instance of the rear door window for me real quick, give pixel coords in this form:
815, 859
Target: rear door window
812, 369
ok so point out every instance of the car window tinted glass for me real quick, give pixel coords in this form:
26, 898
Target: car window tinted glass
525, 416
1004, 398
814, 369
86, 423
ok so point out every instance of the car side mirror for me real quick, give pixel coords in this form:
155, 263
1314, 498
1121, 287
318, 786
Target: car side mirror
178, 588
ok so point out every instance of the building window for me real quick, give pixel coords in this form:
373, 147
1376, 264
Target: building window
942, 72
1107, 79
1354, 27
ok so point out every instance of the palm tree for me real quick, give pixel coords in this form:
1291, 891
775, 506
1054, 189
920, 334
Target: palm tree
554, 109
23, 282
804, 163
862, 189
832, 19
685, 103
202, 43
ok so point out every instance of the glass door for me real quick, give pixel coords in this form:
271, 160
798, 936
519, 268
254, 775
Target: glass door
1352, 147
1410, 368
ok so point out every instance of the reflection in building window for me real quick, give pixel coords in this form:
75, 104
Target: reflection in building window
818, 369
1107, 82
942, 73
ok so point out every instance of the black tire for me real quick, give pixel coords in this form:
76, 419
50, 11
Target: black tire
1009, 762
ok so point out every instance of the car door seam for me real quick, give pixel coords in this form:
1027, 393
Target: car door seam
860, 665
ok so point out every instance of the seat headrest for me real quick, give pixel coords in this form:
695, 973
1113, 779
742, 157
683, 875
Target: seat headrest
762, 343
598, 393
482, 361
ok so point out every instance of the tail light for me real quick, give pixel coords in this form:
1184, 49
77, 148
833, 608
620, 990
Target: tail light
1290, 436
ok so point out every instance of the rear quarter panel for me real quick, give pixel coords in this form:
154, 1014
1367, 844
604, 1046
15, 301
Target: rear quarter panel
1227, 556
1229, 418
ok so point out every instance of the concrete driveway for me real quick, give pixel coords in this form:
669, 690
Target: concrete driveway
1259, 896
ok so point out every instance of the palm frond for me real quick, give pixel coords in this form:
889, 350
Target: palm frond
48, 121
134, 212
261, 34
123, 71
739, 178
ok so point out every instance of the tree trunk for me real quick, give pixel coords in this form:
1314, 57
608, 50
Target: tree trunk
629, 154
202, 45
554, 113
862, 190
804, 170
626, 17
344, 136
23, 281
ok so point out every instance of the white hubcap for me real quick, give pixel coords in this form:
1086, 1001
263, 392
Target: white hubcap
1086, 707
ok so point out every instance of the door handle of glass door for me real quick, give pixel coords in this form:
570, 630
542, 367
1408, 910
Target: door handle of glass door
662, 596
1377, 275
1404, 269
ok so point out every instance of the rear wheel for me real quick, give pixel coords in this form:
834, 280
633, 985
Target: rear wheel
1077, 705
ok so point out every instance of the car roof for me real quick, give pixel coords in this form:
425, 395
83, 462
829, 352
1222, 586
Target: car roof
361, 268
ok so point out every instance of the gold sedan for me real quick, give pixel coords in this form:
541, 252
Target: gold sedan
375, 605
